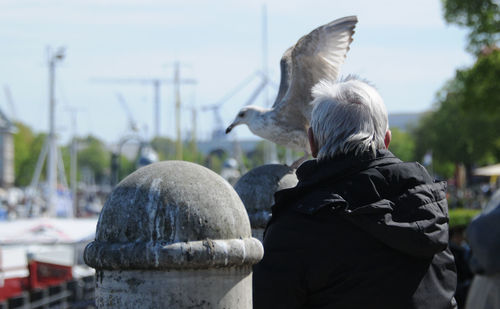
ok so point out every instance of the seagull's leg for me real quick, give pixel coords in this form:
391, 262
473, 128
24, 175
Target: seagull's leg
301, 160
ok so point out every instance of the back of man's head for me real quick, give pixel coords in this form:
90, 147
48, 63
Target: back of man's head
349, 117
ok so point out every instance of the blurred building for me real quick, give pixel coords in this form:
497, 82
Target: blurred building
7, 130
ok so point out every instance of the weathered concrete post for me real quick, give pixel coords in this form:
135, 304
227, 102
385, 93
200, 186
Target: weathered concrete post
256, 189
173, 235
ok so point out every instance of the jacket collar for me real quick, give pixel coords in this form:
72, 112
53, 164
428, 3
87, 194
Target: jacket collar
313, 171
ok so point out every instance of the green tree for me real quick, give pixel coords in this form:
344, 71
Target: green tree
481, 17
23, 139
256, 157
27, 148
191, 153
480, 84
402, 145
281, 152
464, 124
215, 160
126, 167
165, 147
94, 156
66, 158
436, 136
481, 100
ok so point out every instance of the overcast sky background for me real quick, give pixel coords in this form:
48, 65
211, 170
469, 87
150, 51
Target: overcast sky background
403, 47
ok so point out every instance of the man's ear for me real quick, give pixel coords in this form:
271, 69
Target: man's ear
387, 139
312, 143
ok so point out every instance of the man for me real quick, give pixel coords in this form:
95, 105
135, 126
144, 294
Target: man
361, 229
483, 235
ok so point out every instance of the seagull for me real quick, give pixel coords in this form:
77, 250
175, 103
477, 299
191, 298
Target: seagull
315, 57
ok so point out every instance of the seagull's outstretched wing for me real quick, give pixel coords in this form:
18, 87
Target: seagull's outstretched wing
286, 74
315, 57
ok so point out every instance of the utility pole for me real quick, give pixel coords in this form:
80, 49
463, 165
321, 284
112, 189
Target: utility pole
52, 139
194, 126
194, 119
271, 156
73, 161
192, 135
49, 150
156, 87
177, 81
178, 143
265, 70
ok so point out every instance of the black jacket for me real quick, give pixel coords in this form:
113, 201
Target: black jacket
358, 233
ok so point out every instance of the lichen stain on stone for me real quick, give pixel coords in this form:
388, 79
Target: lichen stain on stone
169, 225
209, 244
133, 283
152, 209
99, 275
189, 254
139, 184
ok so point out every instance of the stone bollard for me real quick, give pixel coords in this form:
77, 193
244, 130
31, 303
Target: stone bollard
173, 235
256, 189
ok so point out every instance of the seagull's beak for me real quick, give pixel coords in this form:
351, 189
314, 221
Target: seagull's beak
231, 126
237, 121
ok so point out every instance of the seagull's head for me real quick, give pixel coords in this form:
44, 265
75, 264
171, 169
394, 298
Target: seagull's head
245, 116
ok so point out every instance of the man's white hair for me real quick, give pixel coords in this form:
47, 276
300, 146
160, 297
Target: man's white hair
348, 117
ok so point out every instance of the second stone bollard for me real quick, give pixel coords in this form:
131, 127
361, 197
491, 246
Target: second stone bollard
173, 235
256, 189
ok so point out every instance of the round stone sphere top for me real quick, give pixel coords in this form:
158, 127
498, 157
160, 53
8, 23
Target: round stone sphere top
257, 187
170, 213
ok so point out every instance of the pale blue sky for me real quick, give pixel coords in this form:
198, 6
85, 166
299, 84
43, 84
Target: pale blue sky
403, 47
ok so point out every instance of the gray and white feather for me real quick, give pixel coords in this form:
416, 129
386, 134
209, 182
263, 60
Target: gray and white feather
315, 57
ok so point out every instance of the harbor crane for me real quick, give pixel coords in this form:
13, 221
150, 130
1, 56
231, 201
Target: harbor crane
132, 124
156, 83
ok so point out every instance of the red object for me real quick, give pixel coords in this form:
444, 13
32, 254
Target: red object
46, 274
13, 287
41, 275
